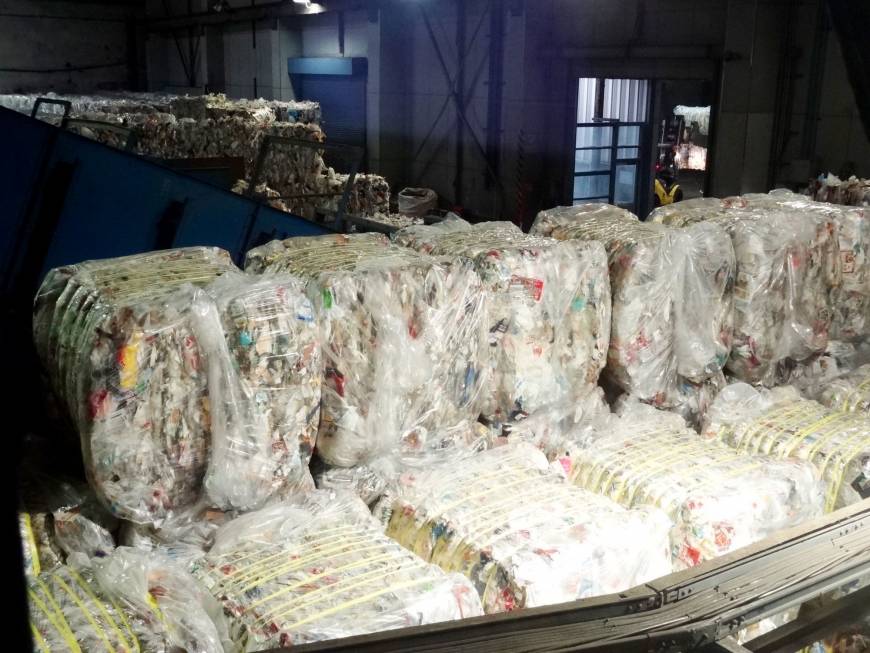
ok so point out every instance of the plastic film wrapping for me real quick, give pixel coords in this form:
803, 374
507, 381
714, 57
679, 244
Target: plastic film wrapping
672, 314
523, 535
848, 392
781, 424
116, 340
548, 310
719, 499
404, 342
321, 568
264, 369
161, 593
787, 275
68, 612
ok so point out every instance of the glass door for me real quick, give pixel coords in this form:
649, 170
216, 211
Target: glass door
606, 163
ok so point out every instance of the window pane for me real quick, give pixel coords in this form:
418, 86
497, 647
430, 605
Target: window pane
626, 181
629, 135
592, 200
591, 160
594, 136
628, 153
592, 186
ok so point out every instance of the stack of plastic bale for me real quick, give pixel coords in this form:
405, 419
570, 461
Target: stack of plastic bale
780, 423
548, 311
787, 275
404, 343
523, 534
851, 298
672, 305
849, 392
719, 499
262, 350
116, 340
320, 568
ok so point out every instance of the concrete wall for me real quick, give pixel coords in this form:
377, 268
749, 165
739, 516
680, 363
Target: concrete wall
38, 36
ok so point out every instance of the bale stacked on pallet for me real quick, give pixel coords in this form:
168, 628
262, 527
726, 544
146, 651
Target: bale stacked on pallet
116, 340
522, 534
780, 423
404, 341
671, 330
321, 568
787, 273
719, 499
548, 312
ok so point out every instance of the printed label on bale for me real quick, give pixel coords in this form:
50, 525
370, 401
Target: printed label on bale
535, 287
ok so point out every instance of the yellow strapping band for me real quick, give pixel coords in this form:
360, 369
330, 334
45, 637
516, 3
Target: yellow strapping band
31, 543
63, 627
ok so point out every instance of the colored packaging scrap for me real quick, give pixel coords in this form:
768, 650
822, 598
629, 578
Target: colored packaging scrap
262, 350
404, 341
719, 499
522, 534
321, 568
671, 329
780, 423
549, 310
116, 340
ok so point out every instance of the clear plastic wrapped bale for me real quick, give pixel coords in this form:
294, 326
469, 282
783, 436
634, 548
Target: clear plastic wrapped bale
719, 499
404, 341
780, 423
523, 534
787, 275
672, 305
264, 369
321, 568
847, 392
68, 612
548, 310
116, 340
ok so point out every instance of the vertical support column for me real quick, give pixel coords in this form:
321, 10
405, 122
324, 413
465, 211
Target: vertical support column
496, 89
460, 101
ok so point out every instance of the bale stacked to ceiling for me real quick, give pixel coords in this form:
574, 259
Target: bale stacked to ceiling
522, 534
548, 311
671, 329
719, 499
780, 423
321, 568
404, 342
788, 273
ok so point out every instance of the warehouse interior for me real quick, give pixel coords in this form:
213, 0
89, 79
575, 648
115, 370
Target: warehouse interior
405, 325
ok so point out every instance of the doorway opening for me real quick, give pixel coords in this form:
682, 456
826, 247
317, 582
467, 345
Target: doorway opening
611, 141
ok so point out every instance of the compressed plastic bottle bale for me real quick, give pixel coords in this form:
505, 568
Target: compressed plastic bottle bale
719, 499
404, 341
671, 329
522, 534
159, 591
320, 568
780, 423
548, 310
116, 340
68, 612
264, 368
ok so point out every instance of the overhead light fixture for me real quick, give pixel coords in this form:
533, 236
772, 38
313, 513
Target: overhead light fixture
307, 3
220, 5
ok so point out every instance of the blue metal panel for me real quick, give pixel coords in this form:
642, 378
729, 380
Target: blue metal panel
25, 144
335, 66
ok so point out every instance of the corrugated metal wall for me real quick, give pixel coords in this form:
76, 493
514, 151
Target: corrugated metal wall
625, 100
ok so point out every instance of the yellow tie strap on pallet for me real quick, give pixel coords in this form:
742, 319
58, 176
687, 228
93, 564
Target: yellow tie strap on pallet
523, 534
320, 570
837, 444
848, 392
719, 499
